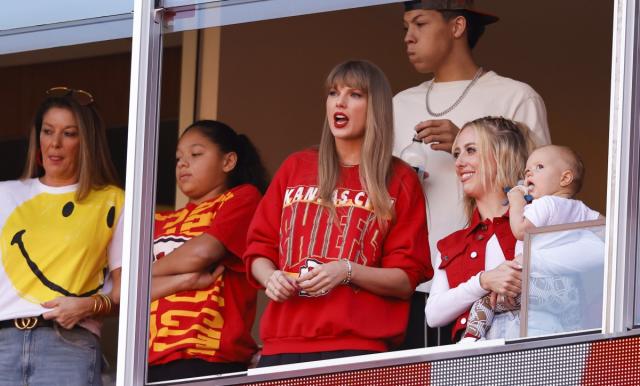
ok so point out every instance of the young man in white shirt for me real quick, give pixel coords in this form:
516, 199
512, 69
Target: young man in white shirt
440, 36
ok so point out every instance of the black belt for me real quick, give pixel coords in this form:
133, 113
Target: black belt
28, 323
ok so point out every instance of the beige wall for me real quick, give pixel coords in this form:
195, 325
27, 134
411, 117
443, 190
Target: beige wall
271, 72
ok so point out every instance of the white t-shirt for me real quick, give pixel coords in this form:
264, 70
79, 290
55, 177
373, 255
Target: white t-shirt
492, 95
51, 245
554, 210
565, 268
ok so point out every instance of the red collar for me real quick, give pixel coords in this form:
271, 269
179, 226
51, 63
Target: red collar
476, 221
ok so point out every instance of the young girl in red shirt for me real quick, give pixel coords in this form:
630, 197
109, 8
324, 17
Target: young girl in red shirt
339, 241
200, 322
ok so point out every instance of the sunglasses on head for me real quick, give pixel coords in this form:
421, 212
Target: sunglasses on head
83, 98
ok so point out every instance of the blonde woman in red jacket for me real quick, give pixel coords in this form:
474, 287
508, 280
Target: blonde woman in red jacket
491, 154
339, 241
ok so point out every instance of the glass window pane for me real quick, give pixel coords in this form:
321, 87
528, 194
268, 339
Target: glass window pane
219, 13
21, 14
66, 34
564, 273
26, 77
253, 75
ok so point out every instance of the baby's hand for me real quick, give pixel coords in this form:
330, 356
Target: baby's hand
503, 303
517, 192
510, 304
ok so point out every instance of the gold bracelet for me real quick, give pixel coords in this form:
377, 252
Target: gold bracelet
98, 302
95, 304
108, 305
101, 305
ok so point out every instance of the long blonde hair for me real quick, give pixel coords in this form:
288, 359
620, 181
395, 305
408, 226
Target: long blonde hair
95, 168
504, 146
375, 162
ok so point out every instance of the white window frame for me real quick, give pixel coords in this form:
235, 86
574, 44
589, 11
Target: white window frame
66, 33
622, 185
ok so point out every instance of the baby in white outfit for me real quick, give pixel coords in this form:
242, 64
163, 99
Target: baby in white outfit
553, 176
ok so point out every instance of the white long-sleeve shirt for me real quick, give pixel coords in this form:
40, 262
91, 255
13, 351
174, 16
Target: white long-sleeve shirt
445, 304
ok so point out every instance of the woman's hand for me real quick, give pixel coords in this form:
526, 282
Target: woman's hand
505, 279
280, 287
323, 278
68, 311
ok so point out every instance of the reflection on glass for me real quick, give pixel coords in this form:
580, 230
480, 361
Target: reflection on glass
82, 67
249, 100
563, 279
203, 306
39, 12
212, 13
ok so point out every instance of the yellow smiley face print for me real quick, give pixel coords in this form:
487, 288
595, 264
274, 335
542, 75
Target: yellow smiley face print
53, 246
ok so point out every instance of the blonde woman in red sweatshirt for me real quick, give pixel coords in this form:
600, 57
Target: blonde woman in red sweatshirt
339, 241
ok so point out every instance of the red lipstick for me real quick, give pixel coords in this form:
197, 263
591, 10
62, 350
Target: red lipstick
340, 120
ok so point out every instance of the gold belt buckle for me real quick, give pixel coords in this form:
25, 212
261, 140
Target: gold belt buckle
26, 323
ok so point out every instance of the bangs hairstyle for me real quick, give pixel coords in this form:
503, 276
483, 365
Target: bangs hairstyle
375, 159
95, 168
503, 146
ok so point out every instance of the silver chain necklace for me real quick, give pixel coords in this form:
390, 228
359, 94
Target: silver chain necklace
457, 102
